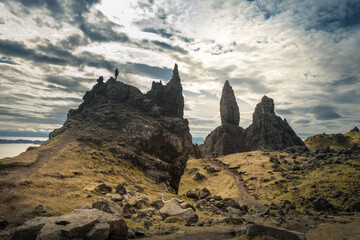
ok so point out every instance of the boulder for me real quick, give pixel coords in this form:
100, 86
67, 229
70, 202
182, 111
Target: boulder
354, 206
192, 194
256, 230
203, 193
198, 177
322, 204
172, 208
108, 206
3, 222
104, 188
120, 189
79, 224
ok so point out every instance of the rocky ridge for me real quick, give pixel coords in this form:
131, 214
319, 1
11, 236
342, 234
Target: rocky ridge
147, 129
267, 130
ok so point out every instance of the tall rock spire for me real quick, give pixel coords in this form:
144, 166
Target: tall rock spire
229, 109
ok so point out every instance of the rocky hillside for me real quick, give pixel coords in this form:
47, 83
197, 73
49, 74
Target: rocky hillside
338, 141
267, 130
117, 134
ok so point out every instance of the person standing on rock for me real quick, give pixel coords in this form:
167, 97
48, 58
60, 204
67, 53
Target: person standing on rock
116, 73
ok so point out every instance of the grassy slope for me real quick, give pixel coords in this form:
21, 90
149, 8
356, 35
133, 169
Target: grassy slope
329, 140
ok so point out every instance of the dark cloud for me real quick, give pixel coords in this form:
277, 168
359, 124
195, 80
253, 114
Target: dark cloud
18, 49
7, 61
73, 41
166, 46
345, 80
162, 73
324, 113
301, 121
69, 84
349, 97
162, 32
253, 84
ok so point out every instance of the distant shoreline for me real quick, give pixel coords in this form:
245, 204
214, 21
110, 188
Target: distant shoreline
7, 141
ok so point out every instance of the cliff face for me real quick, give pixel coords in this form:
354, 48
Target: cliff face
267, 131
147, 129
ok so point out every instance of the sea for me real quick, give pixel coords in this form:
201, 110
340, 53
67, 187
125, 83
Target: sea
14, 149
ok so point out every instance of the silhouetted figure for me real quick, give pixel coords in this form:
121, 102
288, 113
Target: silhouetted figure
100, 80
116, 73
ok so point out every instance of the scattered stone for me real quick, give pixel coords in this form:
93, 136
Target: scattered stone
198, 177
274, 159
192, 194
204, 193
228, 202
322, 204
336, 194
103, 188
3, 222
41, 208
147, 224
120, 189
256, 230
157, 204
354, 206
172, 208
109, 207
190, 220
210, 169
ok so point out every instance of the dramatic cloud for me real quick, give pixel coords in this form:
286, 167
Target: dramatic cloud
303, 54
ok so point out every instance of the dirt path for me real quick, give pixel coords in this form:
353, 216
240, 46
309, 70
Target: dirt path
240, 184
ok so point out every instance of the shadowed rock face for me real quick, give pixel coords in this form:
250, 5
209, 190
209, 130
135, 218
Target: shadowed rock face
267, 131
146, 129
229, 109
169, 97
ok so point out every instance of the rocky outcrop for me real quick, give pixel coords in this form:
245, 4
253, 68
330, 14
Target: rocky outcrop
355, 129
267, 131
79, 224
229, 110
169, 97
146, 129
225, 139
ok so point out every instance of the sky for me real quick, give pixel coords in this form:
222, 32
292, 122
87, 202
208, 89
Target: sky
303, 54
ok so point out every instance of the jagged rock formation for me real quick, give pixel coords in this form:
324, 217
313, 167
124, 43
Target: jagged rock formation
355, 129
229, 109
267, 131
147, 129
169, 97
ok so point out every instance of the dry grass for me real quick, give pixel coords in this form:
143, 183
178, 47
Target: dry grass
218, 183
69, 181
350, 231
256, 171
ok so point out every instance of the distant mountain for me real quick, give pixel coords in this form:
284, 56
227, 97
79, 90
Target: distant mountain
7, 141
